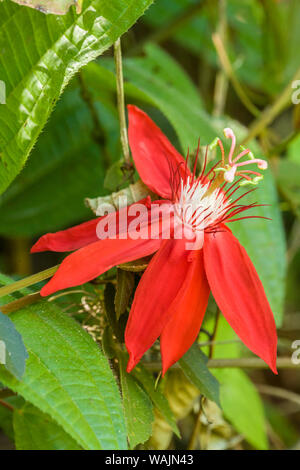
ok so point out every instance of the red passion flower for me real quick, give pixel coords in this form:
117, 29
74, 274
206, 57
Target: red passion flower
172, 295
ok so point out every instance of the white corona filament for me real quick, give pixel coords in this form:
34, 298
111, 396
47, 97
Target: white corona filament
196, 208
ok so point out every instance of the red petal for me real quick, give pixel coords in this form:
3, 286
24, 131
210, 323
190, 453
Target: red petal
240, 295
93, 260
158, 288
68, 240
153, 153
187, 312
75, 237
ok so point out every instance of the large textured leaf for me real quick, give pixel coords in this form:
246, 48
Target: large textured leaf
34, 430
264, 240
13, 353
65, 166
39, 55
68, 378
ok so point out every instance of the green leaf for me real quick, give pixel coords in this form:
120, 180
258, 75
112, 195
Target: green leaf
107, 343
228, 344
294, 150
39, 55
159, 400
56, 169
13, 353
137, 407
6, 422
281, 424
114, 177
68, 378
242, 406
156, 76
5, 281
102, 82
6, 416
246, 44
110, 310
288, 172
193, 364
57, 7
125, 286
35, 430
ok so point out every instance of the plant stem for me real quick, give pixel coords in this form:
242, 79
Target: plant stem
214, 333
6, 405
20, 303
279, 393
170, 28
225, 62
284, 144
28, 281
20, 263
121, 101
6, 393
243, 362
225, 341
269, 114
294, 241
221, 83
250, 363
195, 433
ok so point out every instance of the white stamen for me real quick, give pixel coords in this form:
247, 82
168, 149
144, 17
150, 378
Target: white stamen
197, 209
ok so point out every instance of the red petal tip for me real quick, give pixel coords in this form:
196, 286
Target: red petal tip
133, 107
45, 291
132, 362
38, 246
164, 370
273, 367
167, 363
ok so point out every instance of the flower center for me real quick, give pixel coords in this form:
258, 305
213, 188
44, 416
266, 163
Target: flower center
204, 203
197, 208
